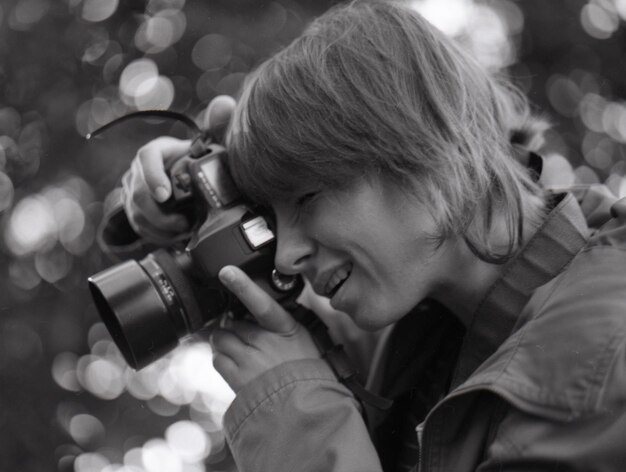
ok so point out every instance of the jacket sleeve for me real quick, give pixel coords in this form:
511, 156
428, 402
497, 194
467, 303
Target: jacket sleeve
297, 416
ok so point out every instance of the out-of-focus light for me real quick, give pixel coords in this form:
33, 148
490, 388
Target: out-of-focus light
156, 6
450, 16
98, 10
188, 440
620, 7
614, 121
94, 113
157, 456
143, 385
90, 462
101, 377
142, 87
564, 95
512, 14
617, 184
162, 406
97, 333
585, 175
70, 218
140, 74
598, 150
599, 20
160, 31
64, 371
121, 468
24, 275
6, 191
9, 148
159, 96
172, 388
212, 52
591, 109
488, 36
95, 51
97, 45
53, 265
195, 358
101, 112
38, 221
86, 429
485, 28
272, 21
133, 458
112, 65
31, 226
230, 84
27, 13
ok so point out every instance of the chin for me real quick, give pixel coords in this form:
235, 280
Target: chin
369, 321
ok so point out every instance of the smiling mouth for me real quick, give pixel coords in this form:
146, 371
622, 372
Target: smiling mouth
336, 281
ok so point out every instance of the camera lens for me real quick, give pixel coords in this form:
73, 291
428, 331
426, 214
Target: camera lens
134, 313
147, 306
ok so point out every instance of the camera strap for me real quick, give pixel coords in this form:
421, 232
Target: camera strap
337, 358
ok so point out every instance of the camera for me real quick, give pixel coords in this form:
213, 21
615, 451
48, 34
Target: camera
149, 305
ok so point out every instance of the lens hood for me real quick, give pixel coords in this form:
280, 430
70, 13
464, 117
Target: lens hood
134, 313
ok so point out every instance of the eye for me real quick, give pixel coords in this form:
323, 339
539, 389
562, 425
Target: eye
302, 204
306, 198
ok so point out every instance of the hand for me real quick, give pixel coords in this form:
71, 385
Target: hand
595, 202
244, 350
146, 184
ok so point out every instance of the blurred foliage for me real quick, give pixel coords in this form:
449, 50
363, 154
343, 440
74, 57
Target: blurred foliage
67, 402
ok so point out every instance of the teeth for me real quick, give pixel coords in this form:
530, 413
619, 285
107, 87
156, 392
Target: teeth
335, 281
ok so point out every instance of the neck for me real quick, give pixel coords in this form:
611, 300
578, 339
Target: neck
467, 279
466, 285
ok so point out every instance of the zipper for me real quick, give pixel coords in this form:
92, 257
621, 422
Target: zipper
420, 432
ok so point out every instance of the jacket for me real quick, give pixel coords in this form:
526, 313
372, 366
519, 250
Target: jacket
539, 383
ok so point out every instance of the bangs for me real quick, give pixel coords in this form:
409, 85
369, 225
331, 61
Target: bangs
280, 145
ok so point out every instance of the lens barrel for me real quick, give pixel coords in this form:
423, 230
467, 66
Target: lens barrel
137, 312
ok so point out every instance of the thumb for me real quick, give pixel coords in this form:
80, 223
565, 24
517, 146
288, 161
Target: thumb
267, 311
151, 164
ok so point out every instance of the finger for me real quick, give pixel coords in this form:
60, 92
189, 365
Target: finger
227, 342
225, 366
144, 214
248, 333
267, 312
218, 115
152, 157
596, 204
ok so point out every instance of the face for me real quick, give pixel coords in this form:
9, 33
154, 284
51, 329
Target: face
369, 249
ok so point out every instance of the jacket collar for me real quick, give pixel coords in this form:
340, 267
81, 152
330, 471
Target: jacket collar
561, 236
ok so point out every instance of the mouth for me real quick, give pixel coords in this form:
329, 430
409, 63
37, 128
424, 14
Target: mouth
336, 281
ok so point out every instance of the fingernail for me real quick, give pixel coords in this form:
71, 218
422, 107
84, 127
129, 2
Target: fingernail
161, 194
227, 275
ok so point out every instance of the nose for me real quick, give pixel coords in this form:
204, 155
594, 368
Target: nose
293, 249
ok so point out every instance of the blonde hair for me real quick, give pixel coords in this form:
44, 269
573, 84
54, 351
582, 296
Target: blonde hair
372, 90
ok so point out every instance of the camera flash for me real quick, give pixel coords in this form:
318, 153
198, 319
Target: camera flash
257, 232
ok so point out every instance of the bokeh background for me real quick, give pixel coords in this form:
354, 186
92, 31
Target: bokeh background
67, 400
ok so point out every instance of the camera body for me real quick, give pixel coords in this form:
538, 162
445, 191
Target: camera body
149, 305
